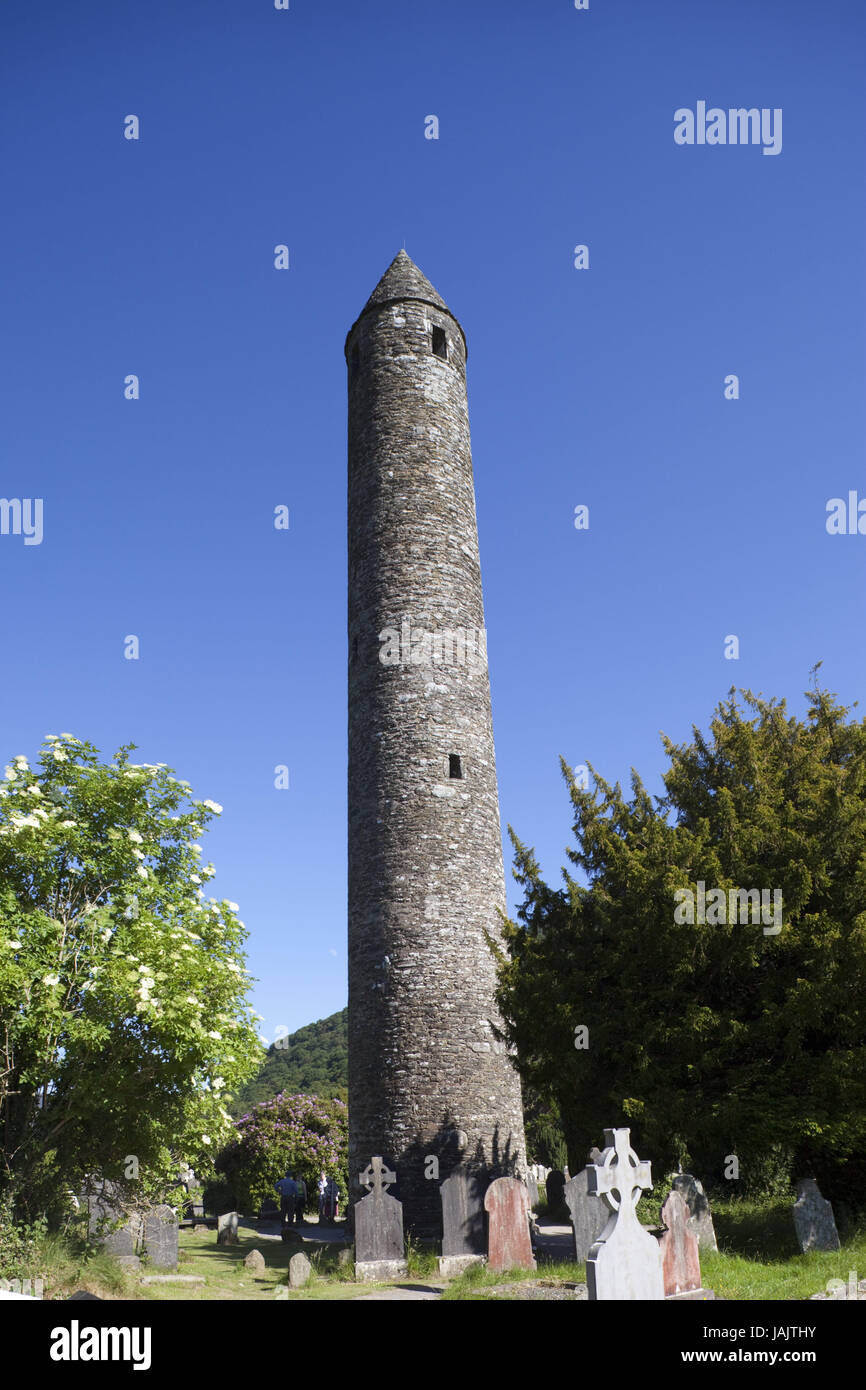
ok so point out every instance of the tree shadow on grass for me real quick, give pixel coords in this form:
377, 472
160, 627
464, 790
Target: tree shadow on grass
761, 1231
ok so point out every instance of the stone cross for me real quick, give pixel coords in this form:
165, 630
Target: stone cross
377, 1176
625, 1262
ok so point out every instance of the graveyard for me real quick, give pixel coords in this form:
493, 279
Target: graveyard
403, 474
553, 1238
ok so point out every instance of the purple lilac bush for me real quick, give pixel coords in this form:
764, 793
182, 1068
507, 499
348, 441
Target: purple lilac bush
304, 1134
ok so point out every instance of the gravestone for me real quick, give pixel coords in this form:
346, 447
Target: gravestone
589, 1215
227, 1228
554, 1185
532, 1184
300, 1268
160, 1237
104, 1207
255, 1262
508, 1245
625, 1262
681, 1265
379, 1250
699, 1209
462, 1196
813, 1218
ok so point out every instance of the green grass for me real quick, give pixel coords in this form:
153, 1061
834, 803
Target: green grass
472, 1283
758, 1259
64, 1264
222, 1268
422, 1259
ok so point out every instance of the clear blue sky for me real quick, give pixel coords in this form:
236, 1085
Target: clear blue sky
603, 387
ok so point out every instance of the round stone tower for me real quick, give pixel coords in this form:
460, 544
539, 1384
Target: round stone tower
427, 1075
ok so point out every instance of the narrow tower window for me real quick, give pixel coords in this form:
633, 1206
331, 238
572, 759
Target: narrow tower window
454, 767
440, 343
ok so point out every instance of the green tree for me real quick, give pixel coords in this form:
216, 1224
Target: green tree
123, 1021
717, 1038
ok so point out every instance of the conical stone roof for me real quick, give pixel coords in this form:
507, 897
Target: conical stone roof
403, 280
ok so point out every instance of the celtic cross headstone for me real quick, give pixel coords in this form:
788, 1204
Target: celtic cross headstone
625, 1262
379, 1253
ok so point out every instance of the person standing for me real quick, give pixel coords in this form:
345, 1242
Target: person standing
333, 1199
323, 1194
300, 1199
287, 1189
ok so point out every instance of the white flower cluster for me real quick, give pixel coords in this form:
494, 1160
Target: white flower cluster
146, 984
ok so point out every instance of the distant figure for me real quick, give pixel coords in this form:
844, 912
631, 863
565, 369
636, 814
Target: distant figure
300, 1199
333, 1196
288, 1190
323, 1194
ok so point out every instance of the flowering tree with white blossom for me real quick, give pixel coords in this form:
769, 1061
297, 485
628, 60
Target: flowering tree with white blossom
124, 1024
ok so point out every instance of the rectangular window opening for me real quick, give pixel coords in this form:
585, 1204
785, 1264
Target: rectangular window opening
440, 343
454, 766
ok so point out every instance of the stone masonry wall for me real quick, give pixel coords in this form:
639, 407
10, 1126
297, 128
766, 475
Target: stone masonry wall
425, 861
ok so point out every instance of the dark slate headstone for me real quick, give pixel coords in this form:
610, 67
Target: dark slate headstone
555, 1188
379, 1252
589, 1215
462, 1197
813, 1218
699, 1209
160, 1237
104, 1209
